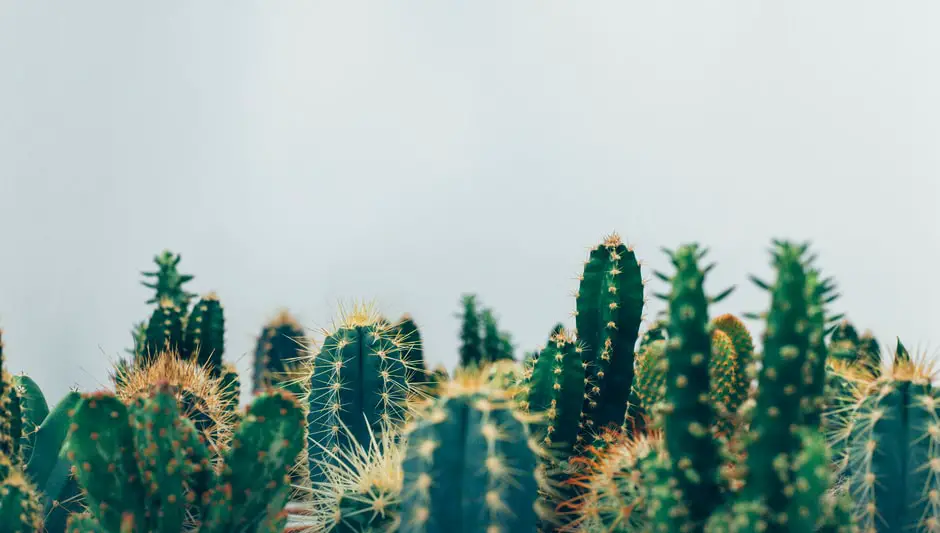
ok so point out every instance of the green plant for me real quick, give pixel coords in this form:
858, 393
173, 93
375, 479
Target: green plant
608, 316
471, 342
167, 283
145, 463
280, 347
204, 339
164, 332
470, 464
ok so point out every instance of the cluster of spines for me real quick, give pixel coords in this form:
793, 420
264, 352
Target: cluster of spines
470, 464
358, 380
608, 315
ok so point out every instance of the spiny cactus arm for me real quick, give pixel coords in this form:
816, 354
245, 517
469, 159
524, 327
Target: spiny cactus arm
777, 408
279, 348
48, 442
555, 390
649, 385
20, 508
168, 282
34, 408
819, 293
812, 479
164, 331
230, 385
161, 443
613, 271
100, 444
254, 483
14, 408
408, 336
728, 380
205, 334
688, 414
743, 349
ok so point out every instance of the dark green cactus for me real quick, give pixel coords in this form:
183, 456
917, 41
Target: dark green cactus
167, 281
279, 349
471, 343
359, 381
470, 466
230, 385
146, 465
894, 452
20, 508
164, 332
34, 410
412, 347
50, 470
205, 334
554, 388
609, 312
819, 293
649, 385
869, 352
688, 414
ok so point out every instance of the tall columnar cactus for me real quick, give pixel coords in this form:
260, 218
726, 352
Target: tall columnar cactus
893, 452
279, 349
145, 469
164, 332
470, 464
167, 283
554, 388
359, 380
471, 342
819, 293
688, 413
204, 341
608, 316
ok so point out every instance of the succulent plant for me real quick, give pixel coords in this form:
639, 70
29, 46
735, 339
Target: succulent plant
470, 463
609, 312
471, 341
204, 341
278, 353
20, 507
164, 332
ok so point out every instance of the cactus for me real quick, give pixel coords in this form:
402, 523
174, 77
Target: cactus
200, 396
892, 451
743, 349
279, 349
649, 385
471, 344
869, 352
470, 464
687, 412
167, 282
819, 293
164, 332
145, 469
358, 380
34, 410
555, 388
20, 508
608, 316
230, 385
410, 338
205, 334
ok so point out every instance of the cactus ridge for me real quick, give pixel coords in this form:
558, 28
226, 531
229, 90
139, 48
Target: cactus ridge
609, 312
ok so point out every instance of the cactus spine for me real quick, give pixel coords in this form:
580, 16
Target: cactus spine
470, 465
609, 311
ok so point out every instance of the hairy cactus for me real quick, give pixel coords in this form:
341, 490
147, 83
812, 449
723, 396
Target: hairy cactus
360, 380
145, 467
688, 413
164, 331
204, 341
279, 349
893, 449
554, 387
608, 316
470, 464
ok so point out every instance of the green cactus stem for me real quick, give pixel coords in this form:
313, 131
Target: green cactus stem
34, 410
688, 414
164, 331
230, 385
20, 508
205, 334
819, 293
608, 317
869, 352
471, 342
649, 386
743, 349
167, 281
280, 347
555, 389
470, 465
357, 380
412, 346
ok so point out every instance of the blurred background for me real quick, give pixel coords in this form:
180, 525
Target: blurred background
308, 154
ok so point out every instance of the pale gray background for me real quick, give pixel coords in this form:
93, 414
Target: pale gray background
301, 154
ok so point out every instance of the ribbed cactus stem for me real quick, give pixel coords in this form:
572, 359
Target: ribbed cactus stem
555, 389
469, 467
205, 334
609, 312
164, 331
688, 413
358, 381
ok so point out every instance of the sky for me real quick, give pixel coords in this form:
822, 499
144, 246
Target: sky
304, 155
